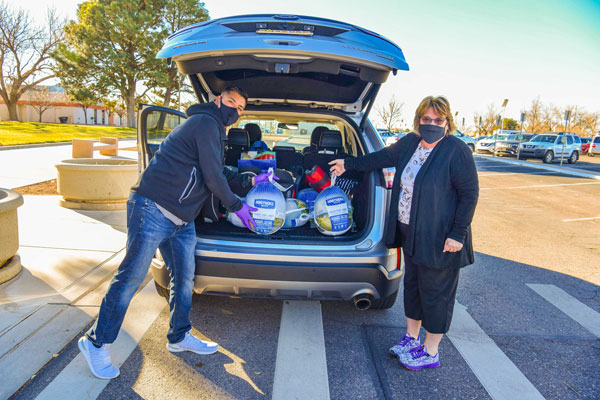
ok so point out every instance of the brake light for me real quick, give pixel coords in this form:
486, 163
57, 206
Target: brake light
399, 265
388, 174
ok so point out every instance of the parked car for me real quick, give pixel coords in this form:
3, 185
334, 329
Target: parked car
550, 147
387, 136
594, 146
294, 69
510, 145
585, 144
467, 139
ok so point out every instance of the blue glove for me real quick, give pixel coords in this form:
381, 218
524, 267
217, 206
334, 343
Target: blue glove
264, 177
245, 216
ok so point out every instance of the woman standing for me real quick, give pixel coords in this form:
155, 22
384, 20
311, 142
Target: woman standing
434, 195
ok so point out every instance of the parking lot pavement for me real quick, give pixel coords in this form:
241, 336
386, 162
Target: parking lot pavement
585, 164
527, 319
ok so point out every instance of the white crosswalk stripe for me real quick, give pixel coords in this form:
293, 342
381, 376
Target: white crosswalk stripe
301, 366
568, 304
497, 373
76, 382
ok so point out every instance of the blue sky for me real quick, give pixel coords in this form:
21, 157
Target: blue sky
475, 52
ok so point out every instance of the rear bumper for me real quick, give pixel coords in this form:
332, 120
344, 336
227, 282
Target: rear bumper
249, 278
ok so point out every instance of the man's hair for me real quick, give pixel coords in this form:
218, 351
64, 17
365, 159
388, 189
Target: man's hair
441, 106
236, 89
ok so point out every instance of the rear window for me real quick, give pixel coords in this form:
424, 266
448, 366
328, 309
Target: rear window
286, 133
597, 139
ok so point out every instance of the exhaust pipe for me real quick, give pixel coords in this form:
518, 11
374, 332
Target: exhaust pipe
363, 301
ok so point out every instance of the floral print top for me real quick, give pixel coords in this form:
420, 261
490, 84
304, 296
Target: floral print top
408, 182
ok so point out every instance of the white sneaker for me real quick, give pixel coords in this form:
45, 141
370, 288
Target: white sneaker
193, 344
98, 359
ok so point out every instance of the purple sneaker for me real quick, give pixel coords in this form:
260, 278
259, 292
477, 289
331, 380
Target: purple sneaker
419, 359
405, 345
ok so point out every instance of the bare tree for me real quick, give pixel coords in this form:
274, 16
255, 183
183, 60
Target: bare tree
41, 100
25, 53
536, 117
488, 121
390, 114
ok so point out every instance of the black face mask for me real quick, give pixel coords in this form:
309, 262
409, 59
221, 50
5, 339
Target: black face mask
432, 133
228, 114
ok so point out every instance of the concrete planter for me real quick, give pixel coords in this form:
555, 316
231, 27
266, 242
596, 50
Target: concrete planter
96, 184
10, 263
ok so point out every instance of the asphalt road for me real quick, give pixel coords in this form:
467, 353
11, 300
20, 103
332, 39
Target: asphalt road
527, 319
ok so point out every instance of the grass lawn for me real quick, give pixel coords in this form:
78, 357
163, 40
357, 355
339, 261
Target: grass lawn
34, 132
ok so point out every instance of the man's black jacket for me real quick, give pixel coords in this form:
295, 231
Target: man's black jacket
188, 166
444, 199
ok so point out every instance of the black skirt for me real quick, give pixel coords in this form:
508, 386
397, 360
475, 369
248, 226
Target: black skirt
429, 293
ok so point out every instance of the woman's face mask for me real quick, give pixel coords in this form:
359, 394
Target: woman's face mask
431, 133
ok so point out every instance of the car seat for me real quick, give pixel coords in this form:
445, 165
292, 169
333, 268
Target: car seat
255, 134
330, 148
315, 139
238, 142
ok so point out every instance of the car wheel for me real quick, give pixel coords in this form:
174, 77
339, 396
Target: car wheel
548, 157
590, 154
574, 157
385, 302
162, 292
471, 147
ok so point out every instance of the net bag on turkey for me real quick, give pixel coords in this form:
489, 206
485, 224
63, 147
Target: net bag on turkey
296, 214
333, 212
269, 201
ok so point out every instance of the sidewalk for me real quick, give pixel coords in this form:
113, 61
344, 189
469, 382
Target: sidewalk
28, 165
68, 258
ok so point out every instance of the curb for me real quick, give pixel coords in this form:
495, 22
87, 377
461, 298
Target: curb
32, 145
567, 171
10, 269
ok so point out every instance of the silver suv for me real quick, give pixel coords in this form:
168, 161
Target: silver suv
296, 70
467, 139
550, 147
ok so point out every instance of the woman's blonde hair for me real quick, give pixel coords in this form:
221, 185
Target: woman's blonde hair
441, 106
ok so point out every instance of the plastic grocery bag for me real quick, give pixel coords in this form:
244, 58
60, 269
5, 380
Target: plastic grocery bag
333, 212
297, 213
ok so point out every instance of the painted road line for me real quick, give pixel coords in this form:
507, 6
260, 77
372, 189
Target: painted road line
76, 381
580, 219
25, 359
542, 186
568, 304
301, 366
496, 372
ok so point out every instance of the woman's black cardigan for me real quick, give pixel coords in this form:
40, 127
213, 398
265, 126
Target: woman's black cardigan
444, 199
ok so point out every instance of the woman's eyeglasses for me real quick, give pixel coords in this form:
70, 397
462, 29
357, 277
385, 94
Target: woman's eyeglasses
428, 121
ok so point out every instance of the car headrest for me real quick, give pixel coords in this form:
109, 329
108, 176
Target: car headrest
238, 137
254, 132
315, 136
331, 140
284, 148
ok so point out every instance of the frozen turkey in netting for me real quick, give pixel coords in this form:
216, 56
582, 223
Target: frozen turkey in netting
270, 204
333, 212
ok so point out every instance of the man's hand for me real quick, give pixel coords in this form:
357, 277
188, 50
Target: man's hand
244, 215
452, 246
264, 177
337, 167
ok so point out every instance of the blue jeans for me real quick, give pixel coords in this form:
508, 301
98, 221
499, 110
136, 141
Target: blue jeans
147, 230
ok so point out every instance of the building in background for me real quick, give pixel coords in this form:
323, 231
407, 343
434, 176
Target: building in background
59, 107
